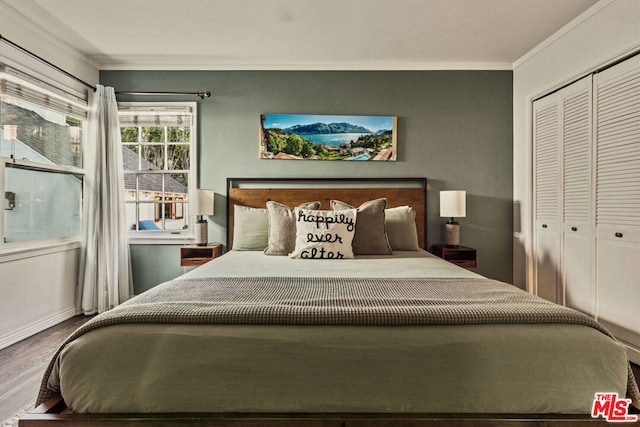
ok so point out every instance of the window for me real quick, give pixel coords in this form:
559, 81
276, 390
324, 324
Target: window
158, 149
41, 160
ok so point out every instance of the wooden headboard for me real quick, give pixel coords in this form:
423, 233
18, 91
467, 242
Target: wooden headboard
256, 192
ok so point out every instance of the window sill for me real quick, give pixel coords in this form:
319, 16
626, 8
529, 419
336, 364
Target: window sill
154, 238
35, 249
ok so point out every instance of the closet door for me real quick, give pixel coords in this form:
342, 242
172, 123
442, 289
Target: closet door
617, 161
577, 227
547, 197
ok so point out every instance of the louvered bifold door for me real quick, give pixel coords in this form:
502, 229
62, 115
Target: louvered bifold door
577, 224
617, 161
547, 197
576, 133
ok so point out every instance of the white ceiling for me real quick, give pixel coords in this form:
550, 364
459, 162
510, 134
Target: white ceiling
302, 34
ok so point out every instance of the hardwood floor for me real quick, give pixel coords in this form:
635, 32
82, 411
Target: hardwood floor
23, 364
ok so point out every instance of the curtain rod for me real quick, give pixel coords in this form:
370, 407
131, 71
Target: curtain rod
202, 95
44, 61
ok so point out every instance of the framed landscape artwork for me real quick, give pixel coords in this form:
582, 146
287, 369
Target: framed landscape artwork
328, 137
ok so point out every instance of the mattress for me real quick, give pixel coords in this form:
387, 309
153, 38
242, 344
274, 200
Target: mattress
418, 263
273, 368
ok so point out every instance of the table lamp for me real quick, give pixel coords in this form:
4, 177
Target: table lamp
201, 205
453, 204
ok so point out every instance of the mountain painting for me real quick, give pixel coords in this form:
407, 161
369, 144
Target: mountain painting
328, 137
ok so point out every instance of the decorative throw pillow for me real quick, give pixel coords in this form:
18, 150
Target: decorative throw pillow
401, 228
324, 234
282, 227
371, 235
250, 228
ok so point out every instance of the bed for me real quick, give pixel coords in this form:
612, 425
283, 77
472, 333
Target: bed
400, 338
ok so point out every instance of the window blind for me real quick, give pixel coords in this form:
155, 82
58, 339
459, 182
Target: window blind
15, 84
156, 116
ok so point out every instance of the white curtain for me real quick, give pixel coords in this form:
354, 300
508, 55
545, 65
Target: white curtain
105, 274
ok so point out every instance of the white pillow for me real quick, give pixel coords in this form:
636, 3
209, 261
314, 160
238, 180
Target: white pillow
250, 228
324, 234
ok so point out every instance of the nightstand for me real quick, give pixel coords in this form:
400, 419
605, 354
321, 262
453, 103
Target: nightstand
194, 255
462, 255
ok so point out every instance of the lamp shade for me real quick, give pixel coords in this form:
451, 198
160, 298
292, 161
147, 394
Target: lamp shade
201, 202
453, 204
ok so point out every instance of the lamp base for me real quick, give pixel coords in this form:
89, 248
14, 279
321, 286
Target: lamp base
452, 234
201, 233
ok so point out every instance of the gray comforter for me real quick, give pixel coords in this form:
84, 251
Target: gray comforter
335, 301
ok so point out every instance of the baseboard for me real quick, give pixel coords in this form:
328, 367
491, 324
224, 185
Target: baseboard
633, 352
35, 327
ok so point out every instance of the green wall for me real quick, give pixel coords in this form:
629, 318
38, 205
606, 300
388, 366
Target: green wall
454, 127
154, 264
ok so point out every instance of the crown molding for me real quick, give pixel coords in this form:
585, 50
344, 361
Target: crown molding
163, 64
562, 32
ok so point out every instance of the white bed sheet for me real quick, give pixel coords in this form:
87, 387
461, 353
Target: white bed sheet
401, 264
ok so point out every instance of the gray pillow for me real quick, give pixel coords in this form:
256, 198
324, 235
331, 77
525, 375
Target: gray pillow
282, 227
250, 228
371, 236
401, 228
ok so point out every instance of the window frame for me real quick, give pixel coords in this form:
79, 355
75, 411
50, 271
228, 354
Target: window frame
166, 236
9, 250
